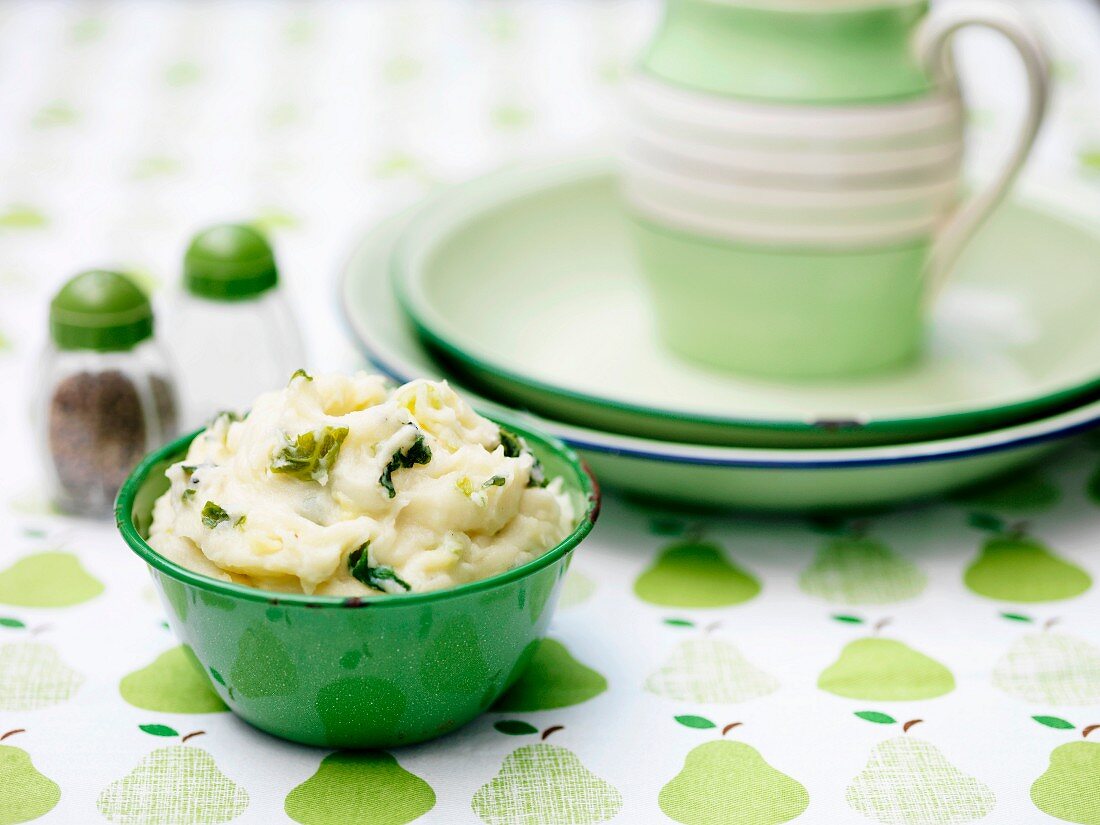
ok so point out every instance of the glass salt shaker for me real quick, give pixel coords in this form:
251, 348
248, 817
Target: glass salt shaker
232, 334
107, 395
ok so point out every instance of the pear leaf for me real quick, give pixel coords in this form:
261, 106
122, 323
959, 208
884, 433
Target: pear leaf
848, 619
514, 727
217, 677
6, 621
1053, 722
689, 721
875, 716
1016, 617
680, 622
159, 730
984, 521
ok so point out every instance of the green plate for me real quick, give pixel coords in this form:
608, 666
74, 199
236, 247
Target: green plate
525, 281
751, 478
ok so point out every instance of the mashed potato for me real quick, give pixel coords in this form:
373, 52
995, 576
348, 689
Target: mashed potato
338, 485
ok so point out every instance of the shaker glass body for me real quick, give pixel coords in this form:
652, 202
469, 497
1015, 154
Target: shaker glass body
228, 352
97, 415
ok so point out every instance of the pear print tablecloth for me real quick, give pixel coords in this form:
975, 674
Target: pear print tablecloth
929, 665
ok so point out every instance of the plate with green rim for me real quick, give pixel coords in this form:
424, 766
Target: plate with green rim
782, 480
524, 281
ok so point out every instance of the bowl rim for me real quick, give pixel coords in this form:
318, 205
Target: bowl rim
124, 503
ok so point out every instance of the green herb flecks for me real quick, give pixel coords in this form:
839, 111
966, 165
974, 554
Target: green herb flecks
514, 447
418, 453
311, 456
188, 479
372, 577
495, 481
300, 373
213, 515
538, 476
239, 523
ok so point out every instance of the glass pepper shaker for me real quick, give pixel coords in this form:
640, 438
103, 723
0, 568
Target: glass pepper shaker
107, 395
232, 334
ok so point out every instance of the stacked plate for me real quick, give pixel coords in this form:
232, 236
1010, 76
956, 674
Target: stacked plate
522, 290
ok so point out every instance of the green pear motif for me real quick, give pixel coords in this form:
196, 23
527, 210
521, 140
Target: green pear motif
347, 716
263, 666
1013, 567
180, 784
442, 673
553, 679
545, 784
1050, 668
885, 669
51, 579
730, 783
576, 588
860, 570
695, 574
710, 670
360, 786
173, 683
1019, 493
25, 794
1068, 788
32, 676
908, 781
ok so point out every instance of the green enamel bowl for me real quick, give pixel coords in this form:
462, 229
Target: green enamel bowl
352, 672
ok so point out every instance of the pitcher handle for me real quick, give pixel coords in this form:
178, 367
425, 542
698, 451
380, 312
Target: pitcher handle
932, 39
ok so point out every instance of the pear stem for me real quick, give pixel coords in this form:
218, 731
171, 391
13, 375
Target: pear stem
877, 626
192, 734
12, 733
730, 727
1018, 530
550, 730
909, 724
1084, 733
1049, 623
858, 529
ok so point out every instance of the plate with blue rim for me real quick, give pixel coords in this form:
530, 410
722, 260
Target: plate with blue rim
753, 478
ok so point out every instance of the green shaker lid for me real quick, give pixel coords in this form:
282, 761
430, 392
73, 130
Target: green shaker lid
100, 310
229, 262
